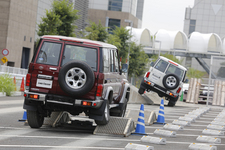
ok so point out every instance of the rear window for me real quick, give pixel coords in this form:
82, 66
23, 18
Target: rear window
175, 70
49, 53
161, 65
86, 54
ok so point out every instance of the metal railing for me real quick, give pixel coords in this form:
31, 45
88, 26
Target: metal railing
13, 70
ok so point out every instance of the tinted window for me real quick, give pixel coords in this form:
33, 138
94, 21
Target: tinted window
115, 5
161, 65
112, 24
112, 66
49, 53
86, 54
116, 62
106, 60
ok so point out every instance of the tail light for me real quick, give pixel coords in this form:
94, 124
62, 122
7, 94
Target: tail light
178, 91
99, 90
147, 75
28, 76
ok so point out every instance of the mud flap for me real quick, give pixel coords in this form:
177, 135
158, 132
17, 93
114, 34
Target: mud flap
98, 114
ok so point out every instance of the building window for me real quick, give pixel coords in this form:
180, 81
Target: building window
31, 39
112, 24
24, 38
192, 26
115, 5
10, 63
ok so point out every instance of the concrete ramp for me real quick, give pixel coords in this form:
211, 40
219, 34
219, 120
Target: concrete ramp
146, 98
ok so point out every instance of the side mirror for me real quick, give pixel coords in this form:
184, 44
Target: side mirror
186, 81
152, 64
124, 68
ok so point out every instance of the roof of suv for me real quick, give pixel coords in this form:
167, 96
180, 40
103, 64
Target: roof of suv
166, 59
79, 40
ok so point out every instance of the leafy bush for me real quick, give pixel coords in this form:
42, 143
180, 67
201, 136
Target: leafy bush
6, 84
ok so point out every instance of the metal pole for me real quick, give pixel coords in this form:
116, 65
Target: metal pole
209, 82
159, 47
131, 24
107, 23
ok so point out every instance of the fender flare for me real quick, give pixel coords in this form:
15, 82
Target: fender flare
126, 89
109, 89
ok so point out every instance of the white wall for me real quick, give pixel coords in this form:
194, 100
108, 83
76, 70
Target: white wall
98, 4
41, 11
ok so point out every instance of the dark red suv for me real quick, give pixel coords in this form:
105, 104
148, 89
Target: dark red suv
75, 75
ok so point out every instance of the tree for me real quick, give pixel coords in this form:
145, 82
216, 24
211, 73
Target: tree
138, 60
59, 20
123, 35
96, 32
49, 24
194, 73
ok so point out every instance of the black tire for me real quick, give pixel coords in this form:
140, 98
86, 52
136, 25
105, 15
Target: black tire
171, 81
172, 101
82, 72
106, 116
141, 90
35, 119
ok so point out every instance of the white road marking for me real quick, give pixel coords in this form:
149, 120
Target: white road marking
11, 102
61, 147
222, 137
11, 110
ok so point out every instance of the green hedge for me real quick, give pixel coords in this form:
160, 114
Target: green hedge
6, 84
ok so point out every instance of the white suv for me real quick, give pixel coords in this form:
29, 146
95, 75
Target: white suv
166, 78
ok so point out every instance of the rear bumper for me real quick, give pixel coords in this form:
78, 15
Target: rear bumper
62, 100
149, 85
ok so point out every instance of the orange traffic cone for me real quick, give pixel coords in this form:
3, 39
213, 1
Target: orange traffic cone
22, 85
14, 82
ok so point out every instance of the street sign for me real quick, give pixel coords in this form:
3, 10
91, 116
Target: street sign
4, 59
5, 52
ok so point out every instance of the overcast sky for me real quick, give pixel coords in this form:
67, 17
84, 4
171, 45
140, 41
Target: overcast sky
165, 14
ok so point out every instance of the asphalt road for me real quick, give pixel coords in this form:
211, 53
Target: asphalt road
16, 135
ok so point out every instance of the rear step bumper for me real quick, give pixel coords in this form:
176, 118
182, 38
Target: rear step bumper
61, 100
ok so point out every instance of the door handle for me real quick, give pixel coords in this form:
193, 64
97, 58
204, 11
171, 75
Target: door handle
52, 68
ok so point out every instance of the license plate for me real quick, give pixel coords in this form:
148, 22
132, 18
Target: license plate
44, 83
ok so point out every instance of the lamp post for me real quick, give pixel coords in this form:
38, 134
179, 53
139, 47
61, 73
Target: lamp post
131, 25
159, 45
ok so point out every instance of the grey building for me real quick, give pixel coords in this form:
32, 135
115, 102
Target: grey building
206, 16
17, 28
82, 7
113, 12
43, 5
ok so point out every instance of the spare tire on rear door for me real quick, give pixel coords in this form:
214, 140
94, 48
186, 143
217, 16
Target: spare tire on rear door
171, 81
76, 78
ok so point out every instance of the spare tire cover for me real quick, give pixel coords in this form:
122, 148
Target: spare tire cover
76, 78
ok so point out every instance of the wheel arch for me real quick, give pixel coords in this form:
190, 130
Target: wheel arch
126, 93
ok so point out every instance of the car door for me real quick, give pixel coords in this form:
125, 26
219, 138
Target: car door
46, 67
158, 72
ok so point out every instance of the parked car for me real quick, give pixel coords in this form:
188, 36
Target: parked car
166, 78
75, 75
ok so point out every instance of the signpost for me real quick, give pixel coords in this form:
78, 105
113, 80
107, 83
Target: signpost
4, 59
5, 52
